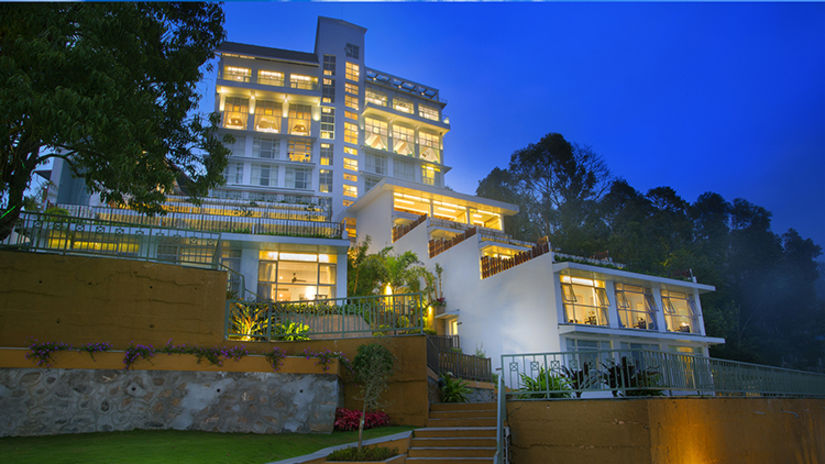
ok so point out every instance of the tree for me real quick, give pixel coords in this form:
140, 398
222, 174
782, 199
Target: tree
372, 366
369, 274
110, 89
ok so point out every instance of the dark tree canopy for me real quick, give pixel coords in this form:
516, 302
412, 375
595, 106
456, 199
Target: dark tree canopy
110, 88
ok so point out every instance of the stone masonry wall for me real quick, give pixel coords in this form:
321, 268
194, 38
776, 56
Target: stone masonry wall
51, 401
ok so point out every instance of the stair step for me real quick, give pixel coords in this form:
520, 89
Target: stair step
463, 422
454, 452
452, 441
460, 406
454, 432
459, 413
454, 460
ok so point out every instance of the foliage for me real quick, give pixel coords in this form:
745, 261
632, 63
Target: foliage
275, 358
135, 352
349, 419
581, 379
325, 358
369, 274
93, 348
110, 88
372, 367
547, 384
377, 453
215, 355
291, 331
249, 320
452, 390
627, 379
43, 352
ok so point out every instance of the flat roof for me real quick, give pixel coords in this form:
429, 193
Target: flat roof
268, 52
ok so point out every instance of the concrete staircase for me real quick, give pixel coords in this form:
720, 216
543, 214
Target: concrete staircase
456, 433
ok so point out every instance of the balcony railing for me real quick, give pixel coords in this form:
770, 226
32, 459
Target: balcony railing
363, 316
491, 265
402, 230
438, 246
444, 357
647, 373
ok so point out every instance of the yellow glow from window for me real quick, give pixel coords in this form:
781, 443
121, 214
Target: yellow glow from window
299, 257
351, 164
327, 259
350, 177
346, 203
351, 115
268, 255
350, 191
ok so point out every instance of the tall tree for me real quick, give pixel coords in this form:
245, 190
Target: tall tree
109, 88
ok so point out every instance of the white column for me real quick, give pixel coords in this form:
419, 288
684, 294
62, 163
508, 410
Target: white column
249, 267
341, 275
612, 308
660, 309
700, 320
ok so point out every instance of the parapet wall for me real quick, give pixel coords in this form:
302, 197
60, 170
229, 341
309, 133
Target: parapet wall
668, 431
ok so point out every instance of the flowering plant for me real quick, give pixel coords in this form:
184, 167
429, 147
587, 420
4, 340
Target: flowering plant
275, 357
348, 419
325, 358
93, 348
133, 352
42, 352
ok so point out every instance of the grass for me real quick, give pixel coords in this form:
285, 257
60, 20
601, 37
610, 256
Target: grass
173, 447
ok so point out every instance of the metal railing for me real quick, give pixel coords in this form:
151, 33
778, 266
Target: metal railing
502, 455
491, 265
360, 316
83, 236
401, 230
437, 246
648, 373
444, 356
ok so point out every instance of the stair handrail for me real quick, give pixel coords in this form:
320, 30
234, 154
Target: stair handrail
502, 455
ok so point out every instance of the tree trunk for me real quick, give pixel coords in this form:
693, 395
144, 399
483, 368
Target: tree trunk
361, 426
17, 176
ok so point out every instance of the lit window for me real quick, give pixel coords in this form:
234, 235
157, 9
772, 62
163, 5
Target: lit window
376, 133
585, 300
235, 113
404, 106
265, 147
351, 151
327, 123
299, 151
326, 154
376, 98
264, 175
350, 133
679, 311
636, 306
351, 164
428, 112
328, 90
324, 180
347, 203
429, 147
350, 177
353, 71
351, 88
274, 78
351, 101
350, 191
299, 117
375, 164
300, 81
268, 116
403, 139
351, 115
329, 65
428, 174
296, 276
234, 173
235, 73
297, 178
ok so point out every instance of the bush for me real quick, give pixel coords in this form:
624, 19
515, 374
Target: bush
348, 419
453, 390
378, 453
547, 384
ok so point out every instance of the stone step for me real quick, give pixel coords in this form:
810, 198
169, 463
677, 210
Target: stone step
451, 441
455, 432
455, 460
459, 413
454, 452
463, 422
460, 406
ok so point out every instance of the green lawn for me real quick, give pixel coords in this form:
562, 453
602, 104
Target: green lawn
173, 447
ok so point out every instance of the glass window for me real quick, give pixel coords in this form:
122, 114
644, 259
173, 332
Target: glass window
429, 147
403, 139
329, 65
299, 151
297, 178
353, 71
347, 203
404, 169
351, 101
351, 164
428, 112
350, 133
287, 280
351, 88
679, 311
299, 119
585, 300
350, 115
267, 116
402, 105
376, 164
300, 81
350, 191
238, 147
274, 78
324, 180
351, 151
350, 177
376, 98
376, 133
636, 307
328, 91
428, 174
352, 51
264, 175
327, 123
265, 147
236, 73
234, 173
326, 154
370, 182
235, 112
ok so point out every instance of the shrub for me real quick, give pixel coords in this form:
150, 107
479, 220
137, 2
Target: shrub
348, 419
546, 384
453, 390
378, 453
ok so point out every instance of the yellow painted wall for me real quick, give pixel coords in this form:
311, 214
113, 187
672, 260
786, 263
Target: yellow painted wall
669, 431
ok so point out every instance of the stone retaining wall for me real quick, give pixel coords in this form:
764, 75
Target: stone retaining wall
49, 401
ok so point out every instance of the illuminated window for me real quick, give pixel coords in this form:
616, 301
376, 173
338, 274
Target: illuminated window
234, 173
274, 78
375, 164
403, 139
636, 306
235, 73
351, 101
264, 175
299, 119
326, 154
352, 51
404, 169
680, 313
429, 147
297, 178
376, 98
235, 113
265, 147
329, 65
324, 180
350, 223
351, 151
351, 115
585, 300
268, 116
350, 133
328, 90
428, 174
351, 164
351, 88
428, 112
376, 133
402, 105
347, 203
353, 71
296, 276
350, 191
299, 151
350, 177
300, 81
327, 123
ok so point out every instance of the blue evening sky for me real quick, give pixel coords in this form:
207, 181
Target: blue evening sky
701, 97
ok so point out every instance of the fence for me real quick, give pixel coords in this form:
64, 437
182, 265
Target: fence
401, 230
491, 265
83, 236
444, 356
362, 316
648, 373
436, 247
